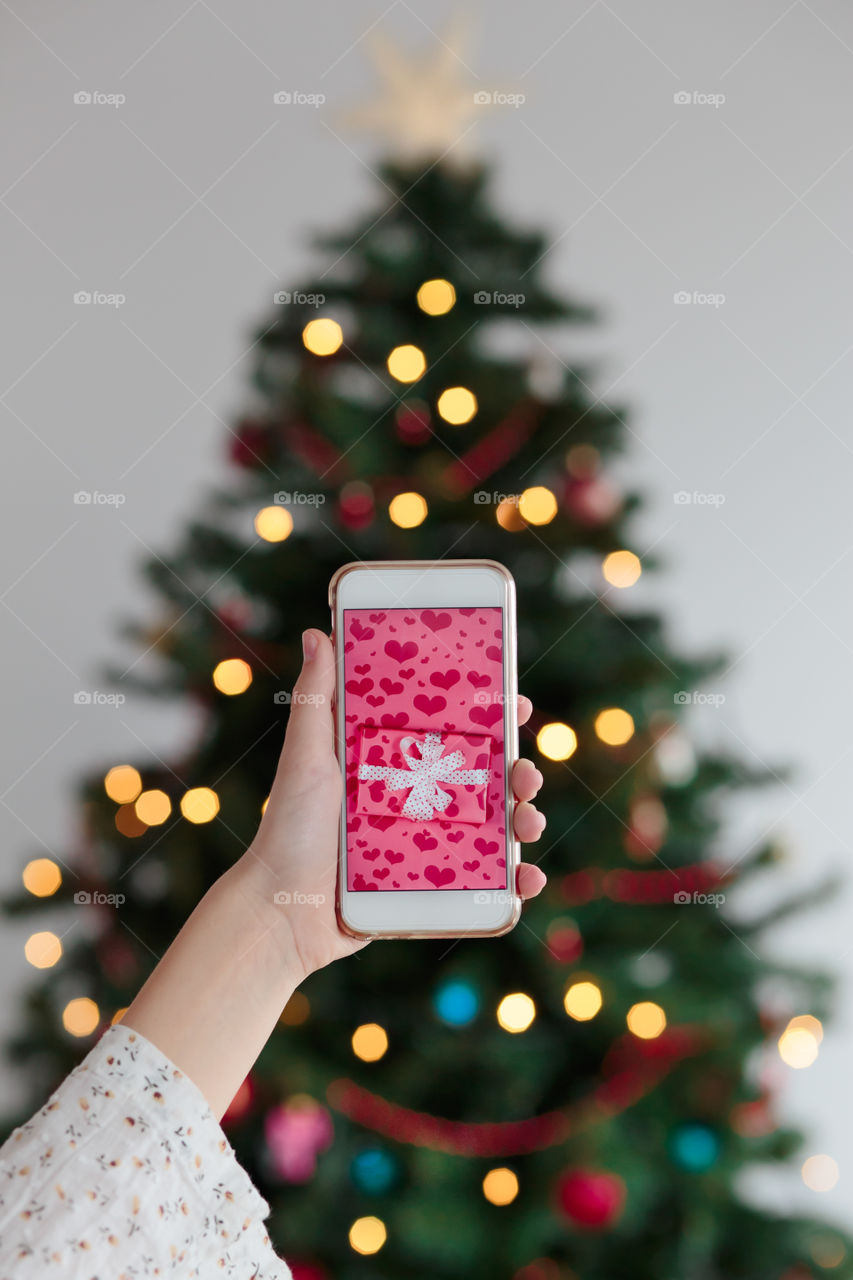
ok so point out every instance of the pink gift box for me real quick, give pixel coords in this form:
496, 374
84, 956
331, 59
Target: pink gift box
423, 774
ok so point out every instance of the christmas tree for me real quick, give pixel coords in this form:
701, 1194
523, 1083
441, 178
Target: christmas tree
578, 1098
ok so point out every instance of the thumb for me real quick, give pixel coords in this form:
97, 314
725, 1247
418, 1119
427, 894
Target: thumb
311, 727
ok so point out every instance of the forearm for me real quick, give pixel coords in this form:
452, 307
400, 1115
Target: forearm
216, 995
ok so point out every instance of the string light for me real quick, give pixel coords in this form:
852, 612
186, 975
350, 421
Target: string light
322, 337
81, 1016
406, 363
457, 405
153, 808
614, 726
538, 505
118, 1015
500, 1186
370, 1042
41, 877
508, 515
408, 510
828, 1251
232, 676
621, 568
273, 524
582, 1001
516, 1012
123, 783
436, 297
43, 950
367, 1235
820, 1173
200, 804
646, 1020
128, 823
264, 806
805, 1022
798, 1047
556, 741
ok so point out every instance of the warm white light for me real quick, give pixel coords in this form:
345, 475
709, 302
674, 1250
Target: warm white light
820, 1173
457, 405
436, 297
614, 726
500, 1186
646, 1020
556, 741
538, 505
622, 568
516, 1012
273, 524
370, 1042
200, 804
406, 363
408, 510
322, 337
232, 676
582, 1001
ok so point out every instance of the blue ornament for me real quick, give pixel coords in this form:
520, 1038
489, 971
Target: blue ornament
374, 1171
694, 1147
456, 1002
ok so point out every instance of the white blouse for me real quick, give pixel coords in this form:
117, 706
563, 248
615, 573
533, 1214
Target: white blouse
126, 1173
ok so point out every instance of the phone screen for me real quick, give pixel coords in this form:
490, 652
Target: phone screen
424, 715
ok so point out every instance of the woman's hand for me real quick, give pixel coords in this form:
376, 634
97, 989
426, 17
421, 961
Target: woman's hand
295, 851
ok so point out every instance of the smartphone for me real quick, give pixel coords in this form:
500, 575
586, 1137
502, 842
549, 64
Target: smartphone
427, 735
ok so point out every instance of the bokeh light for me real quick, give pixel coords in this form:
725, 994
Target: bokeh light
436, 297
42, 877
123, 783
538, 505
820, 1173
457, 405
232, 676
516, 1012
500, 1186
798, 1047
367, 1235
646, 1020
128, 823
556, 741
406, 363
323, 336
621, 568
153, 808
508, 515
118, 1015
370, 1042
806, 1022
582, 1001
273, 524
408, 510
614, 726
296, 1011
43, 949
81, 1016
200, 804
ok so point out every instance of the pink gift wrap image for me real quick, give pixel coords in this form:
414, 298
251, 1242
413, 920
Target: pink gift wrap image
423, 700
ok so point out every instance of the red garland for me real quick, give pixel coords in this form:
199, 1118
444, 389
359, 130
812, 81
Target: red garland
518, 1137
650, 887
496, 448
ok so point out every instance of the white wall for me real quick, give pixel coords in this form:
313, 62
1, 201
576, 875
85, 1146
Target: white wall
194, 199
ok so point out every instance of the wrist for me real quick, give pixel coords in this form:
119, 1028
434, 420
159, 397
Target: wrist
267, 924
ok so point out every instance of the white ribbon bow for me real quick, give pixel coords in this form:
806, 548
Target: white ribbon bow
432, 767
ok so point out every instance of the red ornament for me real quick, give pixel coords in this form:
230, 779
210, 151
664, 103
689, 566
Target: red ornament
564, 941
589, 1199
413, 423
241, 1104
307, 1271
249, 443
355, 504
592, 501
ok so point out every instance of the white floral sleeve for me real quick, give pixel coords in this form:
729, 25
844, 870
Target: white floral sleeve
126, 1173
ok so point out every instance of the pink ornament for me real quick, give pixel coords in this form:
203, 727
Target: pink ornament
296, 1132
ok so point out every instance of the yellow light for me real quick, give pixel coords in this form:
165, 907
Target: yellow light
296, 1011
80, 1017
200, 804
264, 806
118, 1015
273, 524
457, 405
153, 808
407, 363
582, 1001
798, 1048
621, 568
614, 726
646, 1020
322, 337
828, 1251
500, 1186
516, 1012
538, 505
408, 510
43, 949
369, 1042
123, 783
367, 1235
436, 297
42, 877
233, 675
556, 741
508, 517
820, 1173
805, 1022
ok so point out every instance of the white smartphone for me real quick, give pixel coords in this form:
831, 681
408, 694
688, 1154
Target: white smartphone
427, 735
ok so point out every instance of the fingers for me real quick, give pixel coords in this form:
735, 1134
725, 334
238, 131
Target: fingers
528, 822
310, 729
531, 880
526, 779
524, 709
